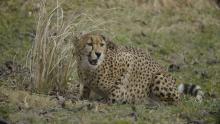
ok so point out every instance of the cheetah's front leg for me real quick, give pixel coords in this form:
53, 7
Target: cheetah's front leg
84, 92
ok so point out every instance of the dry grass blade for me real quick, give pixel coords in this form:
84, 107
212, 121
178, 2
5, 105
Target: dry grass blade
52, 62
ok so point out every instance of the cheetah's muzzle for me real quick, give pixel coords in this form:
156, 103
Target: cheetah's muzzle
93, 62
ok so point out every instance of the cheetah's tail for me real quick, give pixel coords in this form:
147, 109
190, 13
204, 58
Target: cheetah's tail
191, 89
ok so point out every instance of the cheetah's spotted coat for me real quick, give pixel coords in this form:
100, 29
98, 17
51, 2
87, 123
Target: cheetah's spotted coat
121, 74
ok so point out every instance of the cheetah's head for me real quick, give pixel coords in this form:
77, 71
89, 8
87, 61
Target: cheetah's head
91, 49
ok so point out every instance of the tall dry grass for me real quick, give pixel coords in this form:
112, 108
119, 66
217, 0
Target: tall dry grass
52, 59
52, 62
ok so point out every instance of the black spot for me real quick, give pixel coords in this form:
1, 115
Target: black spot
169, 94
161, 94
158, 82
117, 87
113, 94
156, 88
113, 100
165, 88
122, 93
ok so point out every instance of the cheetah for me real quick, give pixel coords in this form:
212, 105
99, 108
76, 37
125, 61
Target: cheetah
123, 74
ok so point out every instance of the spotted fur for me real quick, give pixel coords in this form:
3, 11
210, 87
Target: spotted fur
121, 74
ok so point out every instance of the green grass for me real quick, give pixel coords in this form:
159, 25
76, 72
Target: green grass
174, 33
36, 108
16, 29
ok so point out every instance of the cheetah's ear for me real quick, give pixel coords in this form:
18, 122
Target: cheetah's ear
77, 37
103, 37
110, 45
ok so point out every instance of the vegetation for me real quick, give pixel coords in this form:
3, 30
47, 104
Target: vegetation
40, 86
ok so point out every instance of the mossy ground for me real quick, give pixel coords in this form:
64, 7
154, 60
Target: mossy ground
181, 34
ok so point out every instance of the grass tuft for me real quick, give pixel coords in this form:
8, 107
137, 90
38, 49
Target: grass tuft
51, 60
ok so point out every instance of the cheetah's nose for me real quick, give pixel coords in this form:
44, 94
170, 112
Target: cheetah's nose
98, 54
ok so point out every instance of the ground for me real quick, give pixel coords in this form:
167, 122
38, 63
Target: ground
184, 37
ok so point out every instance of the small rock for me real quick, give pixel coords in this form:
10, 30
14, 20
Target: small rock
61, 100
212, 95
42, 112
10, 65
202, 73
173, 68
133, 115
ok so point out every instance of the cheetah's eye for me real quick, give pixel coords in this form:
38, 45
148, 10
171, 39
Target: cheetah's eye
102, 44
90, 44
